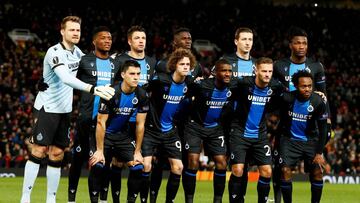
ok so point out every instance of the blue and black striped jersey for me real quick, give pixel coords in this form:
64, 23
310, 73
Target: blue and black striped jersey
166, 96
94, 71
251, 104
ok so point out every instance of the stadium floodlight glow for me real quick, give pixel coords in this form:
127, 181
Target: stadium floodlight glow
315, 4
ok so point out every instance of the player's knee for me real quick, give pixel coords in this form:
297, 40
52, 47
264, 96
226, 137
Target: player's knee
193, 164
39, 151
237, 170
177, 168
56, 153
147, 166
286, 173
221, 164
316, 174
265, 171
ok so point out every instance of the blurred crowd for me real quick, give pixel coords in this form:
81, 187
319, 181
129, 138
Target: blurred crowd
332, 37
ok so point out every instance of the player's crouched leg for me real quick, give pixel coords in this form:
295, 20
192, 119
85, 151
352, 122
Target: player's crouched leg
263, 186
234, 187
134, 182
317, 183
174, 179
95, 181
286, 183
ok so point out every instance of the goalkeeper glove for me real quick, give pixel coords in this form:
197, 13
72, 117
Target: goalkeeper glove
42, 86
106, 92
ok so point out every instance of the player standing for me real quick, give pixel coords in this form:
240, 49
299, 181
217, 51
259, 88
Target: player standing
167, 90
136, 37
283, 71
210, 96
53, 107
252, 98
95, 68
303, 125
181, 39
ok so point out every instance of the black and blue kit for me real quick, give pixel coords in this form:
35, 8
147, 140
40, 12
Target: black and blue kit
205, 118
240, 67
165, 100
97, 72
285, 68
303, 126
248, 126
117, 142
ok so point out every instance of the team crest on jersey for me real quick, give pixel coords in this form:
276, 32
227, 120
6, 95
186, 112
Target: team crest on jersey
55, 60
187, 146
92, 64
310, 108
185, 89
232, 156
307, 69
39, 137
134, 100
78, 149
166, 88
147, 66
269, 92
234, 65
286, 68
112, 65
228, 94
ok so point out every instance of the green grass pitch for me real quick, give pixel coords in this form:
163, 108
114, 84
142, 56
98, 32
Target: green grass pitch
10, 191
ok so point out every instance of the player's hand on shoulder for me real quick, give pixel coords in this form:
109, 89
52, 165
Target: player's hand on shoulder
322, 95
106, 92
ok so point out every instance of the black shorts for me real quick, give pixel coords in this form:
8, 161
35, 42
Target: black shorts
255, 149
275, 156
51, 129
121, 149
213, 139
84, 140
292, 151
169, 142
